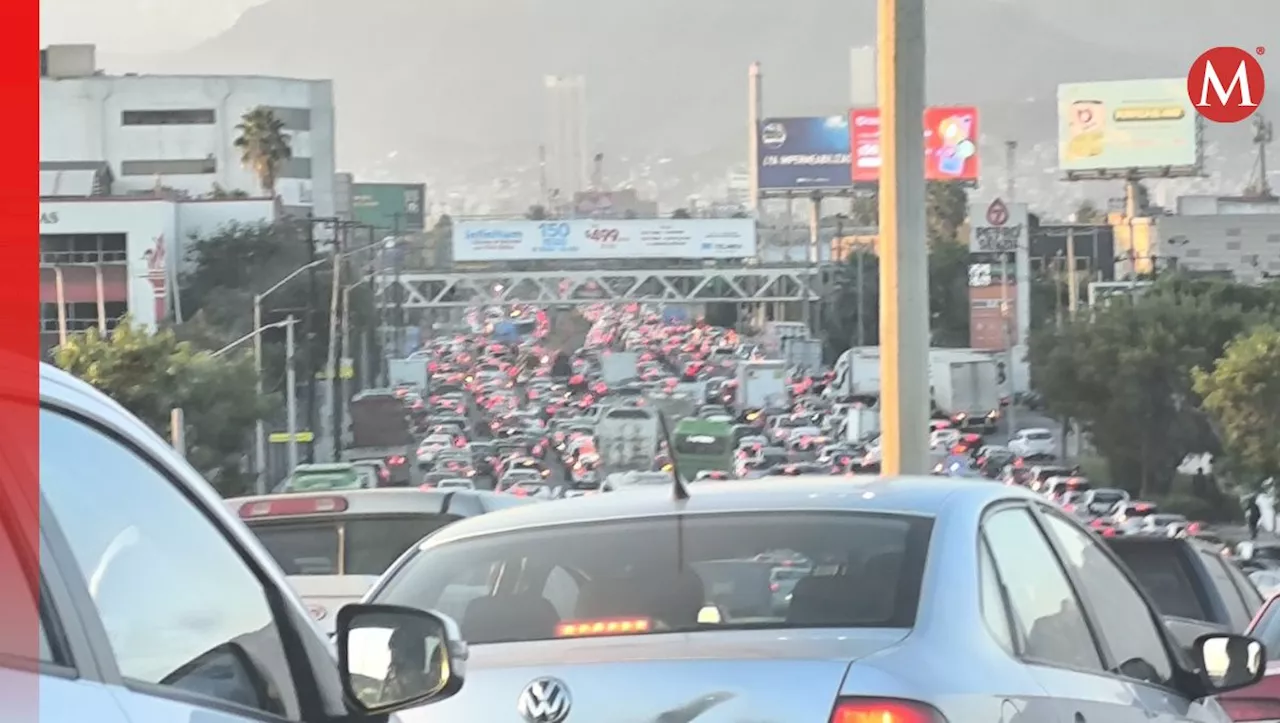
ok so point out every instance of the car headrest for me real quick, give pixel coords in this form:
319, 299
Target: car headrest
509, 618
825, 600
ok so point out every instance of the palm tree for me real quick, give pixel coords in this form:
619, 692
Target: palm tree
263, 146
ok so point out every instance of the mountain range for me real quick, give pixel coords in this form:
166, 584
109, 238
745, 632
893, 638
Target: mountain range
453, 88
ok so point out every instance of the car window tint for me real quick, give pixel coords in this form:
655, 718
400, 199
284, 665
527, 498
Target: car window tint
1122, 616
994, 611
1237, 614
1248, 591
1164, 574
179, 605
1267, 629
1045, 611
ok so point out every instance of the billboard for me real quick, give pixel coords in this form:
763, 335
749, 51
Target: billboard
659, 238
998, 227
1111, 129
950, 144
806, 154
390, 207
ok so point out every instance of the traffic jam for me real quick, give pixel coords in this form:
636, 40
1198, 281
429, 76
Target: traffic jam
700, 514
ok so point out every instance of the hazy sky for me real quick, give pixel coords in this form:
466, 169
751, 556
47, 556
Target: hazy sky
137, 26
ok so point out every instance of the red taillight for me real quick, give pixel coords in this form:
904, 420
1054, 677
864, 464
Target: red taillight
1109, 532
774, 587
1193, 528
433, 367
1096, 523
1251, 709
884, 711
426, 487
293, 506
395, 461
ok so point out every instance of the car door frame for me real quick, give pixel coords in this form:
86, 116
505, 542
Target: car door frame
1052, 668
319, 692
1178, 663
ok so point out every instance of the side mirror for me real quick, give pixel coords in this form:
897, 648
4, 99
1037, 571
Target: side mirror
1227, 662
392, 657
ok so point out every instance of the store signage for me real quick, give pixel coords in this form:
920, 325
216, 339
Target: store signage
48, 219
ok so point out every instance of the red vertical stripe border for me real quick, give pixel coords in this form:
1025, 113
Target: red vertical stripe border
19, 360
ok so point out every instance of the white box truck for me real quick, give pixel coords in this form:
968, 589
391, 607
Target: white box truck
761, 385
966, 388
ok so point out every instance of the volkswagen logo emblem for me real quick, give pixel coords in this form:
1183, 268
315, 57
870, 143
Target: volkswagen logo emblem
545, 700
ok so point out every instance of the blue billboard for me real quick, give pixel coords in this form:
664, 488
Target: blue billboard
805, 154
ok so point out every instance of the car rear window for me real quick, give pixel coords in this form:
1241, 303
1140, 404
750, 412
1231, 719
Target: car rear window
672, 574
1163, 572
321, 481
1039, 436
312, 547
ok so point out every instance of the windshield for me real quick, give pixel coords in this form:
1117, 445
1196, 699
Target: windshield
372, 543
703, 444
866, 571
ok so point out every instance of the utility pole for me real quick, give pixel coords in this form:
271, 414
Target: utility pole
331, 363
904, 286
291, 393
1008, 319
310, 337
260, 426
811, 260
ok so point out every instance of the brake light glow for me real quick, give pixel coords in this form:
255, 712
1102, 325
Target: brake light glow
585, 628
293, 506
884, 711
395, 460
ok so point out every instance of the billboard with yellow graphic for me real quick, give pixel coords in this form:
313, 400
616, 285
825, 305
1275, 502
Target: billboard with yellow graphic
1127, 128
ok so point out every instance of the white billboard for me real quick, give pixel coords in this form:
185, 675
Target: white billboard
998, 227
658, 238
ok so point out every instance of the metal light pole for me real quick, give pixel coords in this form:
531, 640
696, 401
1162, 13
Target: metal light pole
904, 287
291, 393
331, 362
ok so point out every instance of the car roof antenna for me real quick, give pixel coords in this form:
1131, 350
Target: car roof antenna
679, 490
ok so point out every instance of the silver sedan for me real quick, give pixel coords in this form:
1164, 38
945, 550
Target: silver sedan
912, 600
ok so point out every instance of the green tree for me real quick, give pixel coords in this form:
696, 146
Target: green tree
842, 326
263, 145
946, 208
152, 374
681, 213
536, 212
949, 294
1241, 393
865, 209
1125, 375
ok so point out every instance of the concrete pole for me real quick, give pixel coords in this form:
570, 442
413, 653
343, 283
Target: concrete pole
259, 427
331, 363
904, 287
1073, 288
178, 431
754, 110
291, 394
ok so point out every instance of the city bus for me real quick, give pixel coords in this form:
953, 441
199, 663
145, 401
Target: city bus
701, 444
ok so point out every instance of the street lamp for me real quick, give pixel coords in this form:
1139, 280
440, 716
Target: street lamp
260, 430
291, 391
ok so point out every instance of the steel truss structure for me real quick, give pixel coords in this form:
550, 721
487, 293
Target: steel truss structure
739, 284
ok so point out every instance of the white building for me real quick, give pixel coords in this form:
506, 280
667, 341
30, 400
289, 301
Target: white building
1235, 237
101, 257
177, 131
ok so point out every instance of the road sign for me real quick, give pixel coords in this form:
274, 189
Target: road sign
283, 437
979, 275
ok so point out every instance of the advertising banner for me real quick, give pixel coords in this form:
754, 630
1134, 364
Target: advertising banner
390, 207
804, 153
997, 227
1127, 125
950, 144
521, 240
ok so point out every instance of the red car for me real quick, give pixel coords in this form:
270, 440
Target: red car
1261, 701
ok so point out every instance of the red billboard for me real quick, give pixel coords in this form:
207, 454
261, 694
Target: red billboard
950, 143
